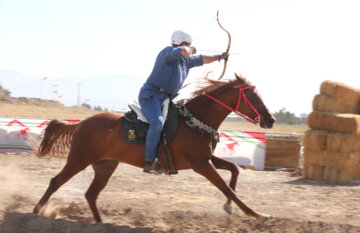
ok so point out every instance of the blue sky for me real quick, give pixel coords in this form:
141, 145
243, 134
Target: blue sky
285, 47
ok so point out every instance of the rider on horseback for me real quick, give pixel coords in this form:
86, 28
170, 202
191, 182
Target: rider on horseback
171, 68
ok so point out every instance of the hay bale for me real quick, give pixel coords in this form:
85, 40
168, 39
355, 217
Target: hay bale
328, 104
313, 172
334, 122
282, 142
329, 158
330, 174
347, 175
282, 150
339, 175
332, 146
317, 140
341, 93
331, 167
282, 158
343, 143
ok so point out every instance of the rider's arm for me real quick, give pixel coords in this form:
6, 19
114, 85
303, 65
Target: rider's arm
209, 59
187, 51
178, 53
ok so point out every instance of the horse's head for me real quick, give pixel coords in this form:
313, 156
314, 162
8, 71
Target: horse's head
254, 107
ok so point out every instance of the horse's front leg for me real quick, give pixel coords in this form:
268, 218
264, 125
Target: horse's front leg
234, 169
208, 170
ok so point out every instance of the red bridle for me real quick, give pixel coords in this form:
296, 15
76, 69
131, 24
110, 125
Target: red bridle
259, 117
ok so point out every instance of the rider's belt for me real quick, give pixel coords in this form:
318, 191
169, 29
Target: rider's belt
161, 90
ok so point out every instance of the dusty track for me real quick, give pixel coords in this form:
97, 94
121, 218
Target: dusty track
137, 202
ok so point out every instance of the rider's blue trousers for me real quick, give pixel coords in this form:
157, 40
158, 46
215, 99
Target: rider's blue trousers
151, 108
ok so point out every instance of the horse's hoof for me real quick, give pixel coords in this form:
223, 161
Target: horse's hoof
262, 218
228, 208
36, 209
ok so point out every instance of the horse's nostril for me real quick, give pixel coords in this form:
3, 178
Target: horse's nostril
272, 120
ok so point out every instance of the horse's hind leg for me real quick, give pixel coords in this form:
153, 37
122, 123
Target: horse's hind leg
103, 171
208, 171
226, 165
70, 169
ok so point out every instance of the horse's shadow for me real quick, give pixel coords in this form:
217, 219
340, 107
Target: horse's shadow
31, 223
304, 181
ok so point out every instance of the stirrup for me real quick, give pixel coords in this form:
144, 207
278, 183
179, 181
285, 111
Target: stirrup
154, 168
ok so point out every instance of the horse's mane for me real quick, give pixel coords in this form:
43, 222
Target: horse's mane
209, 85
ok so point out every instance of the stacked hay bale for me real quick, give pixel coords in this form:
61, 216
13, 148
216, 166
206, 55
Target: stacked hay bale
282, 151
332, 146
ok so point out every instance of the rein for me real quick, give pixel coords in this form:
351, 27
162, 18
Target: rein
258, 119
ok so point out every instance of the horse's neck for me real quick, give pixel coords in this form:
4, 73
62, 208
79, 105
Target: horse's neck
210, 112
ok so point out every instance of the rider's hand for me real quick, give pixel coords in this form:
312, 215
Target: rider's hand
187, 51
224, 56
193, 50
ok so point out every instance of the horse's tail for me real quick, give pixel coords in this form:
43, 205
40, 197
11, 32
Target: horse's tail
57, 137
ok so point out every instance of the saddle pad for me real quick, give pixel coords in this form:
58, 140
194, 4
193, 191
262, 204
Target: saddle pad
171, 127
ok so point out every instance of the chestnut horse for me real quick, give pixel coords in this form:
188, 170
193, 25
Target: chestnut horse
98, 141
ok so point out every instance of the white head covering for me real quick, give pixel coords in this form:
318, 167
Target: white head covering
179, 36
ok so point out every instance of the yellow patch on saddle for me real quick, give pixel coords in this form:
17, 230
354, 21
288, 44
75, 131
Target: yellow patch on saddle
131, 134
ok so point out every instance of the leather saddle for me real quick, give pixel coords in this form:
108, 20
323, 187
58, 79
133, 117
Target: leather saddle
141, 124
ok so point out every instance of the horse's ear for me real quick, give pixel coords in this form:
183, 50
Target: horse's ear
240, 79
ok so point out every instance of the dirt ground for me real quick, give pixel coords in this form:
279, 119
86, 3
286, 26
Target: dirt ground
138, 202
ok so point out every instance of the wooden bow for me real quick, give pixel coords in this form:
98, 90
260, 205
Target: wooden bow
228, 46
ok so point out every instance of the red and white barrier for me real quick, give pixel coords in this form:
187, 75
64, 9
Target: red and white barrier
243, 148
15, 132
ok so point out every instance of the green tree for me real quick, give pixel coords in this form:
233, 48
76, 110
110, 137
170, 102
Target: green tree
85, 105
286, 117
98, 108
4, 92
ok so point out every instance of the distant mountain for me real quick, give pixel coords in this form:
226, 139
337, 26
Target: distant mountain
112, 91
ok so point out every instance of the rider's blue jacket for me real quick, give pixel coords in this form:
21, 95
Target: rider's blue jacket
169, 72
